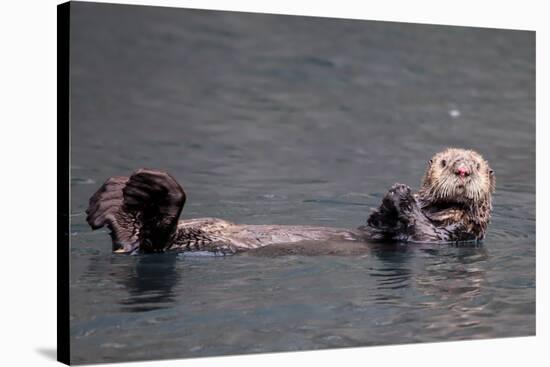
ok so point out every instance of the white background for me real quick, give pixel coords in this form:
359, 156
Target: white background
28, 182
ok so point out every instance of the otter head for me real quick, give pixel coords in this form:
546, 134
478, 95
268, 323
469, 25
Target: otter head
458, 176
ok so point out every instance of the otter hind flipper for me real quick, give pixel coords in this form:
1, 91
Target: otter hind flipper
159, 199
141, 211
105, 209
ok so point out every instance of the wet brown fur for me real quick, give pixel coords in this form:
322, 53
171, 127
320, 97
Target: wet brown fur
447, 198
448, 206
142, 211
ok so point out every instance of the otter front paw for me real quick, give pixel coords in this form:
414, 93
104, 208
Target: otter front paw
399, 198
393, 211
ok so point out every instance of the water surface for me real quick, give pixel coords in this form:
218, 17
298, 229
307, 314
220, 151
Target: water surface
295, 120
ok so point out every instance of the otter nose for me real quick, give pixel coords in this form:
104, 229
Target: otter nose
462, 171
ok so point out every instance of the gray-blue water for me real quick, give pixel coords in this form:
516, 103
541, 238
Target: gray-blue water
295, 120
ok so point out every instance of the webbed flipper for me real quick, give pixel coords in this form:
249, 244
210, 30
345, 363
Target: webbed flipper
141, 211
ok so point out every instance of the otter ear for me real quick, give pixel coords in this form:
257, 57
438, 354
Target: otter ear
430, 162
492, 180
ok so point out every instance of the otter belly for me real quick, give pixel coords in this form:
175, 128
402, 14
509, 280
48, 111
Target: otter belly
218, 235
254, 236
313, 248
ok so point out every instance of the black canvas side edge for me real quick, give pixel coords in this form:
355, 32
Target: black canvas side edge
63, 200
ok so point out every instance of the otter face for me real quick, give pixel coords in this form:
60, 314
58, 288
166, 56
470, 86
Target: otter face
458, 176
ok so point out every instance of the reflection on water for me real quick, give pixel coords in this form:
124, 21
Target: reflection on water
292, 120
148, 280
446, 271
150, 283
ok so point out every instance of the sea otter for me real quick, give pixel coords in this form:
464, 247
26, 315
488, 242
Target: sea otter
453, 204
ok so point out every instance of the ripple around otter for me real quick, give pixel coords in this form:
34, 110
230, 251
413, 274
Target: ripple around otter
290, 121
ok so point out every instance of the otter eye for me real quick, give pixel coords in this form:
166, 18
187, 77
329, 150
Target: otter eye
443, 163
